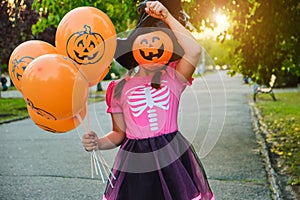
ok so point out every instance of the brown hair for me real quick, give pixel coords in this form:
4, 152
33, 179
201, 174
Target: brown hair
155, 82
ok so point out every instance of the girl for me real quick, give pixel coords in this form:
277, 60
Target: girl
155, 162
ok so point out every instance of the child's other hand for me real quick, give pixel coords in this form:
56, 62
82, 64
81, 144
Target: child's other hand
90, 141
156, 9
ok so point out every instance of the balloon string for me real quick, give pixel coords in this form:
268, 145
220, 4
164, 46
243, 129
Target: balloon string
87, 116
98, 165
82, 123
107, 166
106, 170
92, 169
97, 161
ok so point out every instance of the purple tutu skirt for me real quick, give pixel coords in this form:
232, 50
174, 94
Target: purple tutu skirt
160, 168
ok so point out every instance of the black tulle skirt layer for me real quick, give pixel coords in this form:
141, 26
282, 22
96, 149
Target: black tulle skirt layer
159, 168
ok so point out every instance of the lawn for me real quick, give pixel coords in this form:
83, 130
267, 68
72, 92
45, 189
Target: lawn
12, 108
283, 120
15, 108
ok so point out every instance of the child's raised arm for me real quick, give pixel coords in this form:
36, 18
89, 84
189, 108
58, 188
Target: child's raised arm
192, 49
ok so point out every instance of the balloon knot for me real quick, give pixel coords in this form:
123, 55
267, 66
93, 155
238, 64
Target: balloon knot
87, 29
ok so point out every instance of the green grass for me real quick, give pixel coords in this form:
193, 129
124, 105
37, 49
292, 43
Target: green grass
96, 96
283, 120
12, 108
15, 108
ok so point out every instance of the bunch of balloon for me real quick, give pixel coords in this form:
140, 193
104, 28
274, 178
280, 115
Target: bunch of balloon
56, 92
55, 80
87, 36
21, 59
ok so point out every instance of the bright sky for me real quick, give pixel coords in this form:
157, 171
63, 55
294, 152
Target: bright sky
222, 25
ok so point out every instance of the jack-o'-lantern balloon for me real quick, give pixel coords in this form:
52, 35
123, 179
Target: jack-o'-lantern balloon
23, 55
56, 126
87, 36
152, 48
18, 67
85, 47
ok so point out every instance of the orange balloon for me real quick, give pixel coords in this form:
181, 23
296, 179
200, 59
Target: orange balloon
54, 87
23, 55
87, 35
56, 126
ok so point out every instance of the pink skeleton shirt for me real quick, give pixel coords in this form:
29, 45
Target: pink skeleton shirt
148, 112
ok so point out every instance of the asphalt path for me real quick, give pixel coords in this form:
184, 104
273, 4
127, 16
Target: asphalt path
214, 115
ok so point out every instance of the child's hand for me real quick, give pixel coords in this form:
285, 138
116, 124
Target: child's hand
90, 141
156, 9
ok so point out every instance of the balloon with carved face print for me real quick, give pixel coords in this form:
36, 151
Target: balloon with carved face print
153, 47
80, 45
23, 55
87, 36
55, 126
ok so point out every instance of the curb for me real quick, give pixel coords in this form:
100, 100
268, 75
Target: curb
261, 132
13, 120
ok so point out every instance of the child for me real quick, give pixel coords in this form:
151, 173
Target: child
155, 162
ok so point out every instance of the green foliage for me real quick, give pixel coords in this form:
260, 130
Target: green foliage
3, 68
122, 13
269, 36
12, 108
201, 11
267, 31
283, 120
17, 17
220, 53
117, 69
15, 24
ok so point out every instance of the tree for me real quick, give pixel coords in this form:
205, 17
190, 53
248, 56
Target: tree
14, 28
202, 12
267, 32
269, 36
122, 13
17, 18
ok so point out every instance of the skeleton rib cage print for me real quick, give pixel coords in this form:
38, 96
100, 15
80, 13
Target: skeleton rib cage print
145, 98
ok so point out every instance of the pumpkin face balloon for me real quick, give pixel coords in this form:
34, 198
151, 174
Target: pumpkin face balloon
152, 48
87, 36
85, 47
23, 55
56, 126
19, 65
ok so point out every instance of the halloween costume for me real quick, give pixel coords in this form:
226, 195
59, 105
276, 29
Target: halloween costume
155, 161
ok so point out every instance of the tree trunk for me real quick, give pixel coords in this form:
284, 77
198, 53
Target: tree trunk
99, 87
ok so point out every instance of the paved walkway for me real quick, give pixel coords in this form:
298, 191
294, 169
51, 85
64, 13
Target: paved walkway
214, 116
